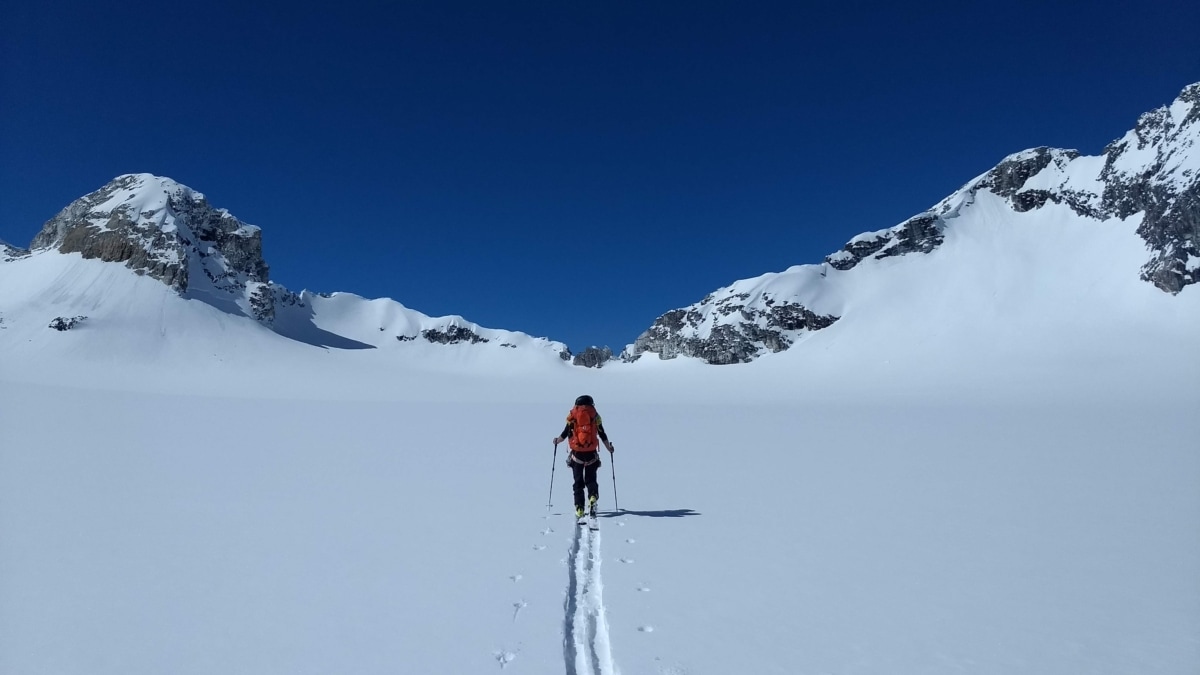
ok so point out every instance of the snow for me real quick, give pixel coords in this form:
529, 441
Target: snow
201, 495
987, 465
1081, 174
871, 236
1022, 156
1178, 157
149, 532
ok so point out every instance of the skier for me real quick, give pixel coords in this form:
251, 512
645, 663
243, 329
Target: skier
584, 430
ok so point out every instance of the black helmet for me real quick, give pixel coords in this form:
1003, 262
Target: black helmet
584, 400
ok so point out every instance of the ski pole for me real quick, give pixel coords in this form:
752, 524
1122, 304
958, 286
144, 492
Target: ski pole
553, 462
612, 464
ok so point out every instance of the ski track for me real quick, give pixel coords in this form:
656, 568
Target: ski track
586, 646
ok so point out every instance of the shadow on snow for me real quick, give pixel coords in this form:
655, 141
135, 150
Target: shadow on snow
668, 513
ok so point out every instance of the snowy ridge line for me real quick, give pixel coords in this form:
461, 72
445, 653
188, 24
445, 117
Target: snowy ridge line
586, 646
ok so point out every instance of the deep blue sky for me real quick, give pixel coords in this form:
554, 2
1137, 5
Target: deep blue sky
514, 162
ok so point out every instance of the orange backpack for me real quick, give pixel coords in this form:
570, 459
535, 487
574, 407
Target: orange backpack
586, 436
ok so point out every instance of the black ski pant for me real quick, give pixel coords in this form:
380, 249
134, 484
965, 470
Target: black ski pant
585, 476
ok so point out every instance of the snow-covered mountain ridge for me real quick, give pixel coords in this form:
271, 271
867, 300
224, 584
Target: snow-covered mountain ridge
1153, 170
1087, 228
159, 229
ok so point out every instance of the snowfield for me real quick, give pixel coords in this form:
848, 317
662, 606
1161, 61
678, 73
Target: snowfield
151, 533
990, 464
183, 491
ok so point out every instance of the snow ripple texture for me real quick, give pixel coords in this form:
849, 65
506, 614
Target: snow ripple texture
586, 646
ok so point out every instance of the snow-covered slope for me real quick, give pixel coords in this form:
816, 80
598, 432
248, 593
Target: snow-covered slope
1082, 227
145, 265
293, 517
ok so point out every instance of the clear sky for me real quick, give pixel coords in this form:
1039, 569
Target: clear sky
570, 169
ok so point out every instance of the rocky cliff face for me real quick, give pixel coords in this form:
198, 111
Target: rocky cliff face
1154, 170
593, 357
164, 230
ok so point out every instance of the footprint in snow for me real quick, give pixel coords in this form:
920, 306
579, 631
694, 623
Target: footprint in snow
625, 560
645, 629
631, 541
517, 607
539, 547
548, 530
504, 657
516, 577
642, 588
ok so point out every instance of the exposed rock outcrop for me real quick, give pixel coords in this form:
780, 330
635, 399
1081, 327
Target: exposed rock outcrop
728, 327
453, 334
63, 323
593, 357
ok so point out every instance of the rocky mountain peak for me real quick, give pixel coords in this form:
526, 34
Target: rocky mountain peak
167, 231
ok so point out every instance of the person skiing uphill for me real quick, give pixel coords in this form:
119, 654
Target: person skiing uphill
583, 433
